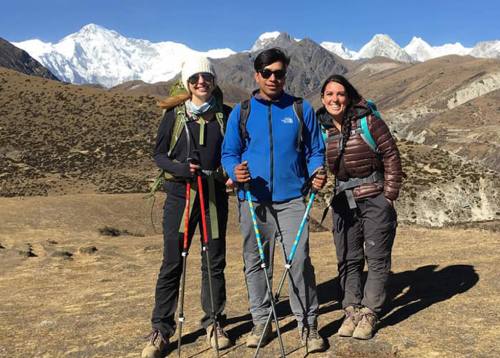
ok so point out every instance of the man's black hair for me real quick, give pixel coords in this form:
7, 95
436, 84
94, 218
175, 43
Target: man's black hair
269, 56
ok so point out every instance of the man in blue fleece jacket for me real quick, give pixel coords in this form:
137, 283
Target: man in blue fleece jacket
277, 169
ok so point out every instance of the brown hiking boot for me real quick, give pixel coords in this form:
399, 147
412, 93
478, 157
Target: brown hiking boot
155, 346
254, 336
222, 338
311, 339
351, 320
366, 326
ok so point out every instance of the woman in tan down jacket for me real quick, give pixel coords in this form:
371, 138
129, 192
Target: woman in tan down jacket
367, 182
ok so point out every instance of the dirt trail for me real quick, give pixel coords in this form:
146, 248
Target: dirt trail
71, 300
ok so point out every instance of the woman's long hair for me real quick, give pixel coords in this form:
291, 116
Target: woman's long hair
173, 101
181, 96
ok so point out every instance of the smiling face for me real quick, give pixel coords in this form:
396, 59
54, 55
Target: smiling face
335, 100
201, 86
271, 88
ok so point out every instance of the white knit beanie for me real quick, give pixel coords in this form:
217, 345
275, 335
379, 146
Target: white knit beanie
193, 65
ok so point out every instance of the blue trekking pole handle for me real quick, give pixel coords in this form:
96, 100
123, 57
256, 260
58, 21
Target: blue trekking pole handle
246, 187
301, 227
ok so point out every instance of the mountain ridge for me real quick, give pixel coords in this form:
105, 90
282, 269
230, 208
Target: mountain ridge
92, 55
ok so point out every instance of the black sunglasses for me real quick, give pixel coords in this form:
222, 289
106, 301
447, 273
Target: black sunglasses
278, 74
207, 77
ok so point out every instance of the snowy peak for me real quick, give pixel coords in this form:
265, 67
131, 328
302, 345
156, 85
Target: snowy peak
486, 49
95, 54
451, 49
383, 45
339, 49
419, 50
272, 39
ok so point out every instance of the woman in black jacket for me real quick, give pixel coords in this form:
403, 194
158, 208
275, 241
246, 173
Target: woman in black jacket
188, 144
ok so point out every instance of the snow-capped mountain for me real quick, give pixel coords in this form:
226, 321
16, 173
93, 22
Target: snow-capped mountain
339, 49
98, 55
419, 50
383, 45
275, 38
450, 49
486, 49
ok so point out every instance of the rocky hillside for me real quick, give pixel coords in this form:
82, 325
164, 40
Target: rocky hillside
58, 139
450, 103
19, 60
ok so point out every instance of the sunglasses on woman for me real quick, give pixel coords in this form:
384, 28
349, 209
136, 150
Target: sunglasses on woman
278, 74
207, 77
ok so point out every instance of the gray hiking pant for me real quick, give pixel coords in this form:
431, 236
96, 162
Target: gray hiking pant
279, 221
365, 232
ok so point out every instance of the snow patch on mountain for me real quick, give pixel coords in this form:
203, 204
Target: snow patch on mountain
272, 39
486, 49
339, 49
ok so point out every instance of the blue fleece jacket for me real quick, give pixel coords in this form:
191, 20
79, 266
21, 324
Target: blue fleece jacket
277, 169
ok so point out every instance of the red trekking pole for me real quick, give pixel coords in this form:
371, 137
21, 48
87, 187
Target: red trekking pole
205, 249
184, 263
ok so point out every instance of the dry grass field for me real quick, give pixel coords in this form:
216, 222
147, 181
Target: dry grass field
66, 290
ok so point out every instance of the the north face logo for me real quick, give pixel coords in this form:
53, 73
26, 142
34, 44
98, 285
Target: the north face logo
287, 120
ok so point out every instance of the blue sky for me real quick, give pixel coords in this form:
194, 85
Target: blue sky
204, 25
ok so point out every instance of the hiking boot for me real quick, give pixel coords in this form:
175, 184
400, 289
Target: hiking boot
254, 336
222, 338
311, 339
366, 326
351, 320
157, 343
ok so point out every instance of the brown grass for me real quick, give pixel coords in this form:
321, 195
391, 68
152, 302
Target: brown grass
444, 287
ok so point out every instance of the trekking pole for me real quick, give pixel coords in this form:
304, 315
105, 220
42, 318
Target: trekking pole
205, 249
184, 263
288, 263
246, 187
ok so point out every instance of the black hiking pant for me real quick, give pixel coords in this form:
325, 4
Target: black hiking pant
167, 286
366, 232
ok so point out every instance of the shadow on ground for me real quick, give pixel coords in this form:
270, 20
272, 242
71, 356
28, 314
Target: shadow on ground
409, 293
413, 291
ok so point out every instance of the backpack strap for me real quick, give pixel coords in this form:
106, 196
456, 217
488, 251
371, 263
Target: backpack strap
219, 116
364, 131
366, 135
244, 113
298, 109
180, 119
